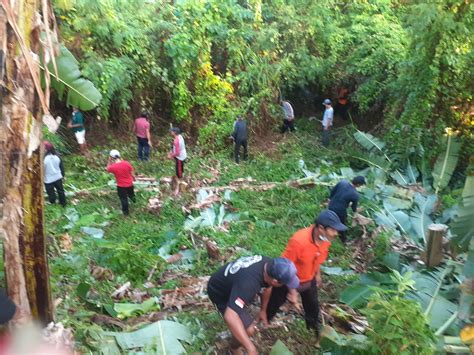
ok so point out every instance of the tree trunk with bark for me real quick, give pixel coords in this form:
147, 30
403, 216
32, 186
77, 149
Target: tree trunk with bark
21, 187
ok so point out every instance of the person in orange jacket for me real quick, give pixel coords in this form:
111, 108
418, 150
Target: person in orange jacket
308, 248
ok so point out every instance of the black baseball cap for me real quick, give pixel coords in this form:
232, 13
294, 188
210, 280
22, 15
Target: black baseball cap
358, 180
329, 218
284, 271
175, 130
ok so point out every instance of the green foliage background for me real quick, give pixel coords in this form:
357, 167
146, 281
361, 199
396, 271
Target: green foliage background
200, 63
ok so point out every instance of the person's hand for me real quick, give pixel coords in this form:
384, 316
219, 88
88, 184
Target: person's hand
252, 350
359, 209
262, 316
69, 125
170, 155
319, 281
292, 297
149, 143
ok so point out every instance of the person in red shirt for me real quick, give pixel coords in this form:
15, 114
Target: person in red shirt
308, 248
142, 130
123, 172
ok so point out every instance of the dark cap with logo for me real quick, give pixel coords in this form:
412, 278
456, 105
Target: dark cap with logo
284, 271
329, 218
175, 130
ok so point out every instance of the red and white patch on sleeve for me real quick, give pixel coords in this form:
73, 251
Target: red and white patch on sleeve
240, 302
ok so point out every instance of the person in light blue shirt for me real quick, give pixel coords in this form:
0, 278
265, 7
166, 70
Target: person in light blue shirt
328, 118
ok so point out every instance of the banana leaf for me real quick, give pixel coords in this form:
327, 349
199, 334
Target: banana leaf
341, 344
80, 92
427, 294
420, 215
163, 336
446, 163
412, 173
279, 348
369, 142
462, 227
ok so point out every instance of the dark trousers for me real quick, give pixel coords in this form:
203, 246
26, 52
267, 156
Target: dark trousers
239, 143
143, 148
51, 189
310, 300
288, 125
325, 137
125, 193
179, 167
342, 111
343, 217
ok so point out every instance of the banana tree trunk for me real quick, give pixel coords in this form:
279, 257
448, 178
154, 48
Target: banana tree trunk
21, 187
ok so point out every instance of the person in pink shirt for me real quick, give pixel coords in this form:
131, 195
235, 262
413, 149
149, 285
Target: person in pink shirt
142, 130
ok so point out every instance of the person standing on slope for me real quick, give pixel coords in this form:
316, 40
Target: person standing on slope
178, 153
123, 172
240, 138
53, 174
328, 118
343, 194
142, 130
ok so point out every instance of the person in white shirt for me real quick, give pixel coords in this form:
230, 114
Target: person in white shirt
178, 153
328, 118
53, 174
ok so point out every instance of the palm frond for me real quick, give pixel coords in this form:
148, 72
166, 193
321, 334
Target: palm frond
463, 225
446, 163
369, 142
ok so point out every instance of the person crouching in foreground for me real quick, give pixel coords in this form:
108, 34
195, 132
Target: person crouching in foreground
233, 287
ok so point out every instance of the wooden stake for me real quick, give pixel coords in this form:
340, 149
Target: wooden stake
434, 244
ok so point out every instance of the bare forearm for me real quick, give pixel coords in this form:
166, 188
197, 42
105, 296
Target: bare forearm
266, 298
237, 328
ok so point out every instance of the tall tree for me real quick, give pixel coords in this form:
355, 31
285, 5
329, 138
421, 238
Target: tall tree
23, 103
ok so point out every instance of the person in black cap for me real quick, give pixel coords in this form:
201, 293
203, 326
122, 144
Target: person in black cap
233, 287
240, 138
308, 248
343, 194
7, 308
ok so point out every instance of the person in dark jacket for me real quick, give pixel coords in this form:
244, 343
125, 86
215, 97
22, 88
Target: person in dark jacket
343, 194
240, 138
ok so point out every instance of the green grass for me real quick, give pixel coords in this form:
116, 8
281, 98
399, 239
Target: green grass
131, 244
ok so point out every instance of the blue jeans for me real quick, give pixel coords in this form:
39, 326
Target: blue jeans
143, 148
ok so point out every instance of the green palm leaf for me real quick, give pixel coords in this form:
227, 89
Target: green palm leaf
369, 142
446, 163
463, 225
80, 92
